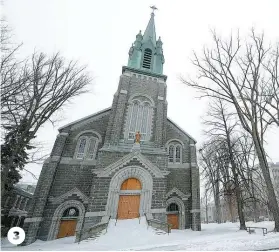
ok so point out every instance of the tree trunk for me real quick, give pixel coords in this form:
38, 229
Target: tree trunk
240, 208
273, 204
217, 203
206, 208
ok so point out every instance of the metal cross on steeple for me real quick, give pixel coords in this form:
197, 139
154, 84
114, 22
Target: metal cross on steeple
153, 7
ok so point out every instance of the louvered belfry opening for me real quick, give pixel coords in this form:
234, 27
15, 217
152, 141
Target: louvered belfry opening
147, 58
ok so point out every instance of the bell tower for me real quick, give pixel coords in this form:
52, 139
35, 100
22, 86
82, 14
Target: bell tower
140, 101
146, 53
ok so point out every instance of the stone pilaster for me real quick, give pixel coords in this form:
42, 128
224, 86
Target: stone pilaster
35, 214
195, 190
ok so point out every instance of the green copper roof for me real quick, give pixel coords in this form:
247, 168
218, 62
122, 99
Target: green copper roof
150, 31
146, 54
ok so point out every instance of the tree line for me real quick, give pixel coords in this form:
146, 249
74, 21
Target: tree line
240, 79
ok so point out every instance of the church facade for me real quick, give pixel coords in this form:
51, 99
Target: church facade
98, 171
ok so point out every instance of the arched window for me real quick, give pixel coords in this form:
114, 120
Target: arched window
172, 208
70, 213
87, 147
147, 56
171, 152
139, 119
81, 148
175, 153
93, 141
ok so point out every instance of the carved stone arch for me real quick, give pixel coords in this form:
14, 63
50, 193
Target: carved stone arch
181, 208
56, 219
88, 131
114, 189
144, 95
173, 140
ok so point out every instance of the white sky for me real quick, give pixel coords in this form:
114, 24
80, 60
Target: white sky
99, 33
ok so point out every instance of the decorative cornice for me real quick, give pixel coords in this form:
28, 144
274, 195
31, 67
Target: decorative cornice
140, 71
153, 169
182, 195
68, 194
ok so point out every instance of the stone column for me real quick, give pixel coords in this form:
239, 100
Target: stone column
195, 190
159, 122
34, 218
119, 116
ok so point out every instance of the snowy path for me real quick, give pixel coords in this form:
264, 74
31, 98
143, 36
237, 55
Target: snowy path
130, 235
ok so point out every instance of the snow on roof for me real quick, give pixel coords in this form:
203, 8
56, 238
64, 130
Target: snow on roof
171, 121
84, 118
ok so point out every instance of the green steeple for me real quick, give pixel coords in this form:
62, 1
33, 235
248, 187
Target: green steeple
150, 32
146, 53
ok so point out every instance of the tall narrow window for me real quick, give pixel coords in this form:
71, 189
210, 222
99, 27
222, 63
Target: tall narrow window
92, 148
81, 148
177, 154
139, 119
171, 156
147, 56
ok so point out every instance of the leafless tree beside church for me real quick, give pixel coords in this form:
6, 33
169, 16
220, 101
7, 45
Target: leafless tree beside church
238, 72
33, 91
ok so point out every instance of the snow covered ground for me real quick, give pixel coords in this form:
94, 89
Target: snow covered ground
130, 235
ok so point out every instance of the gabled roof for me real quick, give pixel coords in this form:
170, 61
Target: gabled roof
180, 129
74, 191
107, 110
153, 169
85, 118
182, 195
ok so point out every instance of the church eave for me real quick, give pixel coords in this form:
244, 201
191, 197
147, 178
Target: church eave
84, 119
140, 71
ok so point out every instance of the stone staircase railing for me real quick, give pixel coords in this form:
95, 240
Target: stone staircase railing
92, 231
157, 224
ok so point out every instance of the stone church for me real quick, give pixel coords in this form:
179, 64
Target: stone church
126, 161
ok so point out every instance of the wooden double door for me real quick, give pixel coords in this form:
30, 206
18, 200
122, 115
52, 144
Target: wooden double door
173, 219
128, 206
67, 228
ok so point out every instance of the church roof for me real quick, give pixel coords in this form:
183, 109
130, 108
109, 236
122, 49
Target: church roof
107, 110
150, 32
183, 131
85, 118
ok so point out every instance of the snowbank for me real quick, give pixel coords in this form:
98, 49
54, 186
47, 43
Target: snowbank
132, 235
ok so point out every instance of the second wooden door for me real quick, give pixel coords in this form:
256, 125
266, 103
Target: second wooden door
173, 220
67, 228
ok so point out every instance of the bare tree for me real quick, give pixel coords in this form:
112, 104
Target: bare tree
47, 84
236, 74
8, 67
221, 127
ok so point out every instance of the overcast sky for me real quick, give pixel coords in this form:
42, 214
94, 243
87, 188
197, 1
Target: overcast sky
99, 33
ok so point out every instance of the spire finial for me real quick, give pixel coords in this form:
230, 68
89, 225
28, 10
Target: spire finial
153, 7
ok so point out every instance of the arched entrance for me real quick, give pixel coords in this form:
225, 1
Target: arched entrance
129, 199
68, 222
173, 215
